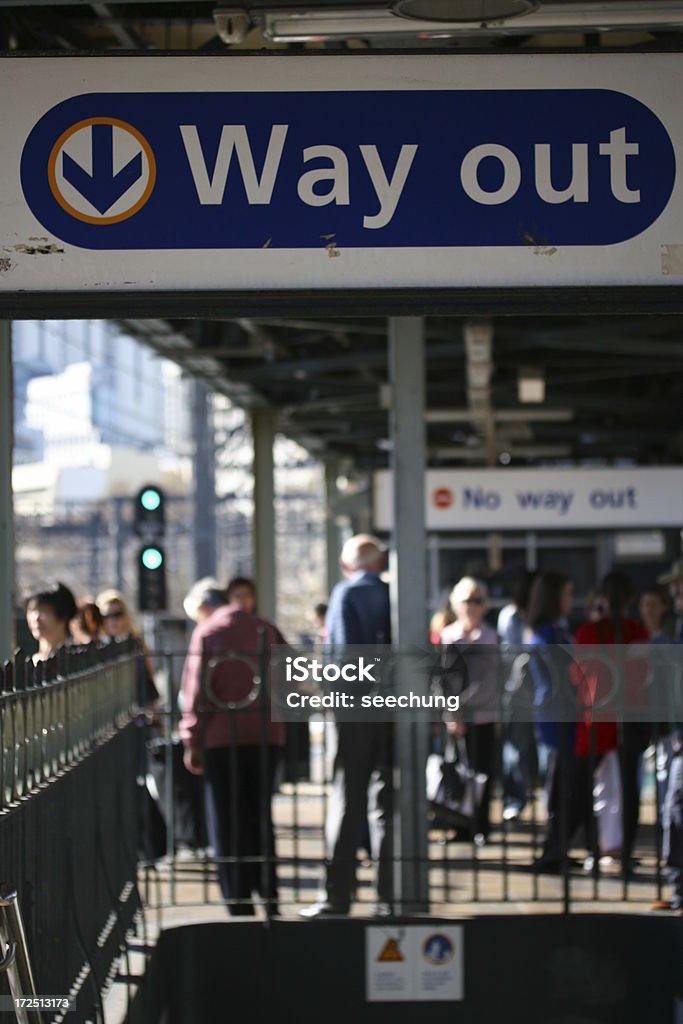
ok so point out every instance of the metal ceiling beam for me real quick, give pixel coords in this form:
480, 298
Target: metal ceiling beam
334, 363
262, 339
603, 341
355, 420
480, 453
176, 346
51, 25
520, 415
340, 327
125, 35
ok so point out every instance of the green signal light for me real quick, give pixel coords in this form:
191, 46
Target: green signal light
152, 558
150, 500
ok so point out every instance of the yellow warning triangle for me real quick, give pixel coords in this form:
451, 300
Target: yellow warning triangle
391, 952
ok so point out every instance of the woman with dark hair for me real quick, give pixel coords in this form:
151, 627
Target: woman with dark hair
49, 610
520, 757
87, 625
513, 616
616, 627
550, 603
241, 592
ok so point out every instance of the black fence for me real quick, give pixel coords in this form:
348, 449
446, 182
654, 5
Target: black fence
510, 863
95, 794
68, 814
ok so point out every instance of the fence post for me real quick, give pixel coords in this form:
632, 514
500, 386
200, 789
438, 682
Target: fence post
408, 584
6, 511
15, 950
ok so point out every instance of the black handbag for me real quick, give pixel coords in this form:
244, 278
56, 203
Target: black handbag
454, 790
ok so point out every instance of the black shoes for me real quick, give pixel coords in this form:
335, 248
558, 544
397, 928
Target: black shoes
381, 910
546, 866
552, 864
324, 909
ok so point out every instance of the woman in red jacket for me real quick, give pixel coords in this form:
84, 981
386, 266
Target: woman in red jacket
630, 738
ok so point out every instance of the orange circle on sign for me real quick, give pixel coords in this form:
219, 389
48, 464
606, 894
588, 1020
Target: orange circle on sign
443, 497
52, 176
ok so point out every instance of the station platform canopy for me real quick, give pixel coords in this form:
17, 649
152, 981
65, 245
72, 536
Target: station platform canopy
609, 388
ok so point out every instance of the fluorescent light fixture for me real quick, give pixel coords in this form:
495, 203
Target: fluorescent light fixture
641, 544
293, 25
531, 385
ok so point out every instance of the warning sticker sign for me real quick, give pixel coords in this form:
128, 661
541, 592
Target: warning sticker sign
391, 952
414, 963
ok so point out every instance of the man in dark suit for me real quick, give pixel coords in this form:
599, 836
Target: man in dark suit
358, 613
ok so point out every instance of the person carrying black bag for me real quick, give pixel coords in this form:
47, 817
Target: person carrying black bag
471, 639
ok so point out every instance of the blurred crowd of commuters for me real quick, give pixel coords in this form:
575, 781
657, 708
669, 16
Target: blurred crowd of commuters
592, 771
589, 772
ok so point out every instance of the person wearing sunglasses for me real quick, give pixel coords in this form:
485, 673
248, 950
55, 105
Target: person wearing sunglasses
119, 625
479, 698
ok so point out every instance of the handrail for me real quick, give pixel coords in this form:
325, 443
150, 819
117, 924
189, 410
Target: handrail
54, 713
16, 962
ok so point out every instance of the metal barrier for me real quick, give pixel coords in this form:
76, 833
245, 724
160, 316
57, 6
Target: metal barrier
69, 815
16, 963
78, 767
463, 875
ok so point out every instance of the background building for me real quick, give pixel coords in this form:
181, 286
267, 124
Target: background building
98, 415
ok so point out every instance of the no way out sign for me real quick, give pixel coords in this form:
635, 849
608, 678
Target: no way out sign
367, 171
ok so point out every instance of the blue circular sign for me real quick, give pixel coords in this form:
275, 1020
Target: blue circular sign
438, 949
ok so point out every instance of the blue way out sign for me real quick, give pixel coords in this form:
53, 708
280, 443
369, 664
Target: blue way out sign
146, 170
412, 171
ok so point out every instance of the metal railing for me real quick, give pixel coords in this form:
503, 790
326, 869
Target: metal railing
69, 813
16, 962
49, 717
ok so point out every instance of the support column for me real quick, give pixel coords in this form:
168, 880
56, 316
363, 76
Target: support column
332, 533
204, 483
408, 584
263, 424
7, 573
